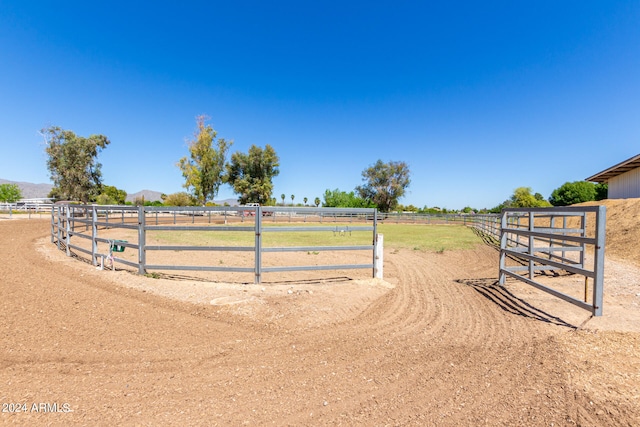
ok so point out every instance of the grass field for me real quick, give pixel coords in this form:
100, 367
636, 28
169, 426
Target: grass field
435, 238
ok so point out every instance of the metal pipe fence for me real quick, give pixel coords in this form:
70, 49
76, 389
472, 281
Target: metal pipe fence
82, 228
25, 210
487, 224
551, 239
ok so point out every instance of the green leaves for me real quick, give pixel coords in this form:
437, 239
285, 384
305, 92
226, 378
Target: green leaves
203, 170
385, 183
72, 163
342, 199
10, 193
571, 193
251, 174
522, 198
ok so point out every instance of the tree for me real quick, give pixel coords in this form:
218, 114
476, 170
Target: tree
105, 199
251, 174
75, 173
305, 201
113, 195
522, 198
282, 196
203, 171
292, 197
571, 193
385, 183
317, 201
602, 191
179, 199
342, 199
10, 193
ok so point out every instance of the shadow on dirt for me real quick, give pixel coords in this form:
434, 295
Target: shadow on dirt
318, 281
499, 295
488, 239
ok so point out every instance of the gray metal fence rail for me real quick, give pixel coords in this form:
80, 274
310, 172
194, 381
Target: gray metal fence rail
487, 224
85, 221
555, 239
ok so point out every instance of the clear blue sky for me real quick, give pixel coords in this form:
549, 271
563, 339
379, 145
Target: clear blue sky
478, 97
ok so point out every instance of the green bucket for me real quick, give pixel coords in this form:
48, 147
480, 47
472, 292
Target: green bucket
115, 247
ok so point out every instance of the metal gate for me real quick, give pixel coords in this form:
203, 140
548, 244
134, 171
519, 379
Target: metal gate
537, 239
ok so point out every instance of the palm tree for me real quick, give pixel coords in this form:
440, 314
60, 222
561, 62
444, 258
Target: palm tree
305, 201
283, 196
317, 201
292, 197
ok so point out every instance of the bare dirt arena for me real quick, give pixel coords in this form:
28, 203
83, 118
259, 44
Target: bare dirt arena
436, 343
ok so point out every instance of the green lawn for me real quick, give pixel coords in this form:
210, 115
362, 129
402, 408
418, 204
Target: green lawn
436, 238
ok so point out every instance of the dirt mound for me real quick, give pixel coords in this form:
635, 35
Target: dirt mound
623, 228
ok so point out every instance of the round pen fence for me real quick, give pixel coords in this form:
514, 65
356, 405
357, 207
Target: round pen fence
249, 240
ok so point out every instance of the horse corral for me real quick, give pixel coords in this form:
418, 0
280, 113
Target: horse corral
438, 342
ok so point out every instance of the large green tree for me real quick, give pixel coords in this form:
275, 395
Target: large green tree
203, 170
571, 193
110, 195
522, 198
179, 199
10, 193
250, 174
72, 163
342, 199
385, 184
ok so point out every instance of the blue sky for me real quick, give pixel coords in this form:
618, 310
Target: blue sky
477, 97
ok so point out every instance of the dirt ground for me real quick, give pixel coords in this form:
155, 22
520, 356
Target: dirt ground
436, 343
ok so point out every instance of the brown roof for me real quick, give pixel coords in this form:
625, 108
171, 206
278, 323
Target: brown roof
616, 170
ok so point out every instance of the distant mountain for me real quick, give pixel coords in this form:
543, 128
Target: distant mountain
29, 190
37, 191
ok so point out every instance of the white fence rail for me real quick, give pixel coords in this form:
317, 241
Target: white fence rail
25, 210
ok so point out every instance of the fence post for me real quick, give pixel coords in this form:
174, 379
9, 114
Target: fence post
598, 265
375, 243
583, 224
67, 236
503, 246
58, 230
94, 235
142, 256
531, 244
52, 225
258, 257
379, 258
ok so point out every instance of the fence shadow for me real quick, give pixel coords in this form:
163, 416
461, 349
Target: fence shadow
316, 281
500, 296
494, 243
488, 239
